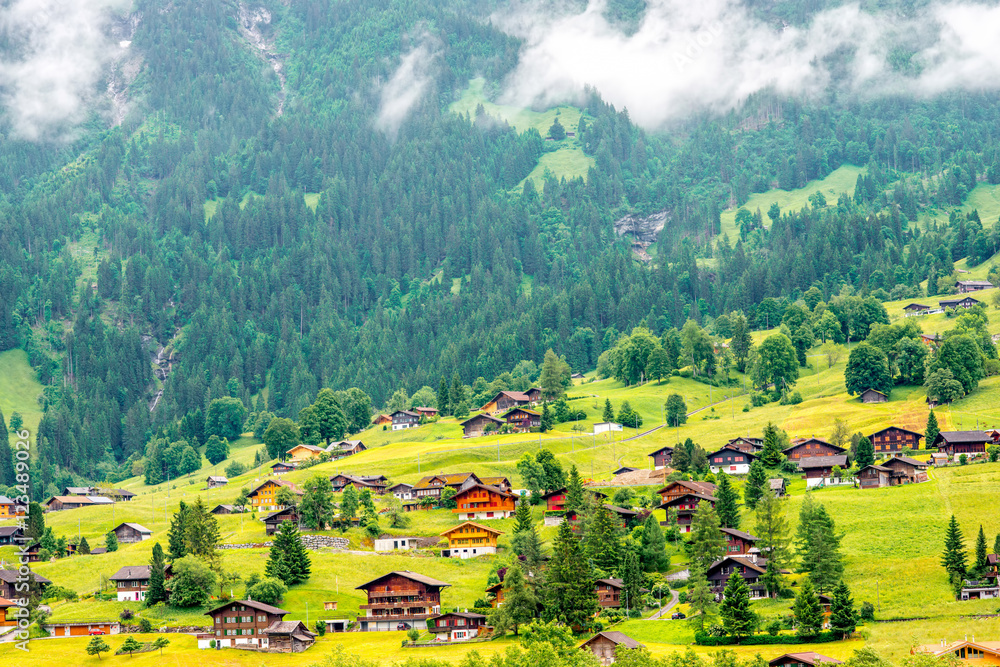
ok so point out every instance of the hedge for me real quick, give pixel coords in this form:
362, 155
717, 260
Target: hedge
704, 639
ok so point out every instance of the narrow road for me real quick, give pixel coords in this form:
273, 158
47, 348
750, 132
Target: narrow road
674, 595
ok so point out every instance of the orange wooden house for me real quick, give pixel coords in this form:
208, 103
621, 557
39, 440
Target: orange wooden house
468, 540
481, 501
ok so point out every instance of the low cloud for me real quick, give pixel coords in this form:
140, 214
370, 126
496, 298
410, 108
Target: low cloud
687, 57
407, 85
56, 56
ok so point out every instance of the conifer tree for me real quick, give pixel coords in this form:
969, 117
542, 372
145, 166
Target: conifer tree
442, 396
84, 547
808, 614
603, 541
97, 646
843, 617
631, 575
35, 527
865, 453
770, 455
525, 544
111, 541
654, 554
609, 412
569, 587
727, 506
518, 598
996, 545
574, 491
547, 421
457, 392
522, 516
954, 558
756, 485
819, 547
701, 599
288, 560
157, 591
932, 430
201, 532
176, 536
980, 566
707, 543
737, 617
7, 476
130, 646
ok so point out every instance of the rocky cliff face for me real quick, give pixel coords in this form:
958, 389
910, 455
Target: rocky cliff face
642, 229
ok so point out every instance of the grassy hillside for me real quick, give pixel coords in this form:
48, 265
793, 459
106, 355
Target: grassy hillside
19, 388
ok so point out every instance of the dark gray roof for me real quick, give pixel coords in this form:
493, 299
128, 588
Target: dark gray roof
963, 436
260, 606
131, 572
907, 460
616, 637
740, 534
617, 583
134, 526
776, 483
409, 575
10, 577
823, 461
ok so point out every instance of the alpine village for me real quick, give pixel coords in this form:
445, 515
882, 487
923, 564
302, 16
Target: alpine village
482, 333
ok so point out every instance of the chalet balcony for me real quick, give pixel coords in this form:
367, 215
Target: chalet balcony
420, 604
414, 593
396, 617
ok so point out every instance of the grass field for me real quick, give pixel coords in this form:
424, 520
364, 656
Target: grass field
984, 198
567, 161
19, 389
839, 181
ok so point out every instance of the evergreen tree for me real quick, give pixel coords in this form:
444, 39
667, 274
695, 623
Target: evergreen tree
819, 547
701, 599
843, 617
727, 506
737, 618
288, 560
603, 541
954, 558
996, 545
654, 554
526, 545
865, 455
442, 397
97, 646
756, 485
980, 566
807, 611
609, 413
569, 588
518, 598
547, 419
111, 541
456, 394
631, 575
317, 502
84, 547
201, 532
574, 491
932, 430
771, 454
707, 543
131, 645
35, 527
7, 476
157, 591
522, 516
555, 372
741, 343
176, 536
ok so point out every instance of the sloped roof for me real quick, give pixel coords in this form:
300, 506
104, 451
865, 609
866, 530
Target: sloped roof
875, 467
429, 581
699, 496
450, 479
494, 481
131, 572
760, 566
823, 461
729, 448
10, 577
279, 482
706, 488
487, 487
802, 441
473, 523
4, 500
776, 483
259, 606
617, 583
529, 411
616, 637
481, 415
962, 436
134, 526
80, 500
808, 658
287, 628
740, 534
218, 478
898, 428
907, 460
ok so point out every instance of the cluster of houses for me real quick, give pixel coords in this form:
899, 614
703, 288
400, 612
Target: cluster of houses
335, 450
74, 497
509, 410
964, 287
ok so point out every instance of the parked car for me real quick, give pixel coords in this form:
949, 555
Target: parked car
677, 615
402, 626
97, 631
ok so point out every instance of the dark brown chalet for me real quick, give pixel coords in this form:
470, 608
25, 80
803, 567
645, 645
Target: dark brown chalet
751, 568
400, 599
686, 505
522, 419
132, 532
730, 460
244, 622
506, 400
873, 477
555, 501
811, 448
10, 580
661, 457
273, 521
752, 445
288, 637
820, 467
480, 424
609, 592
778, 486
738, 543
892, 440
906, 470
605, 645
970, 443
376, 484
432, 485
807, 659
457, 626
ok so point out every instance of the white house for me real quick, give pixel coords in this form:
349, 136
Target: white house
402, 490
731, 461
606, 427
395, 543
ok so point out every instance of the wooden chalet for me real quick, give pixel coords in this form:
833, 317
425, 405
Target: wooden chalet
469, 539
11, 535
280, 467
425, 411
400, 598
605, 645
506, 400
497, 591
751, 568
522, 420
242, 622
970, 443
288, 637
432, 485
555, 501
481, 424
915, 309
118, 495
403, 419
401, 490
264, 496
273, 521
227, 509
778, 486
679, 488
892, 440
906, 470
623, 470
661, 457
811, 448
457, 626
215, 481
966, 286
10, 579
8, 508
966, 652
731, 461
499, 481
481, 501
746, 444
609, 592
131, 532
873, 396
961, 302
806, 659
376, 484
817, 468
738, 543
132, 581
302, 452
59, 503
686, 505
628, 517
382, 420
343, 448
873, 477
78, 491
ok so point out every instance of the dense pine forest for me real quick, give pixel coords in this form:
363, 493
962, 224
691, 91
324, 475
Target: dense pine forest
338, 249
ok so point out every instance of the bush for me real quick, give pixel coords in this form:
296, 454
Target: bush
708, 639
126, 615
774, 628
683, 597
867, 612
145, 625
212, 643
758, 399
413, 634
235, 469
268, 591
963, 459
793, 398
